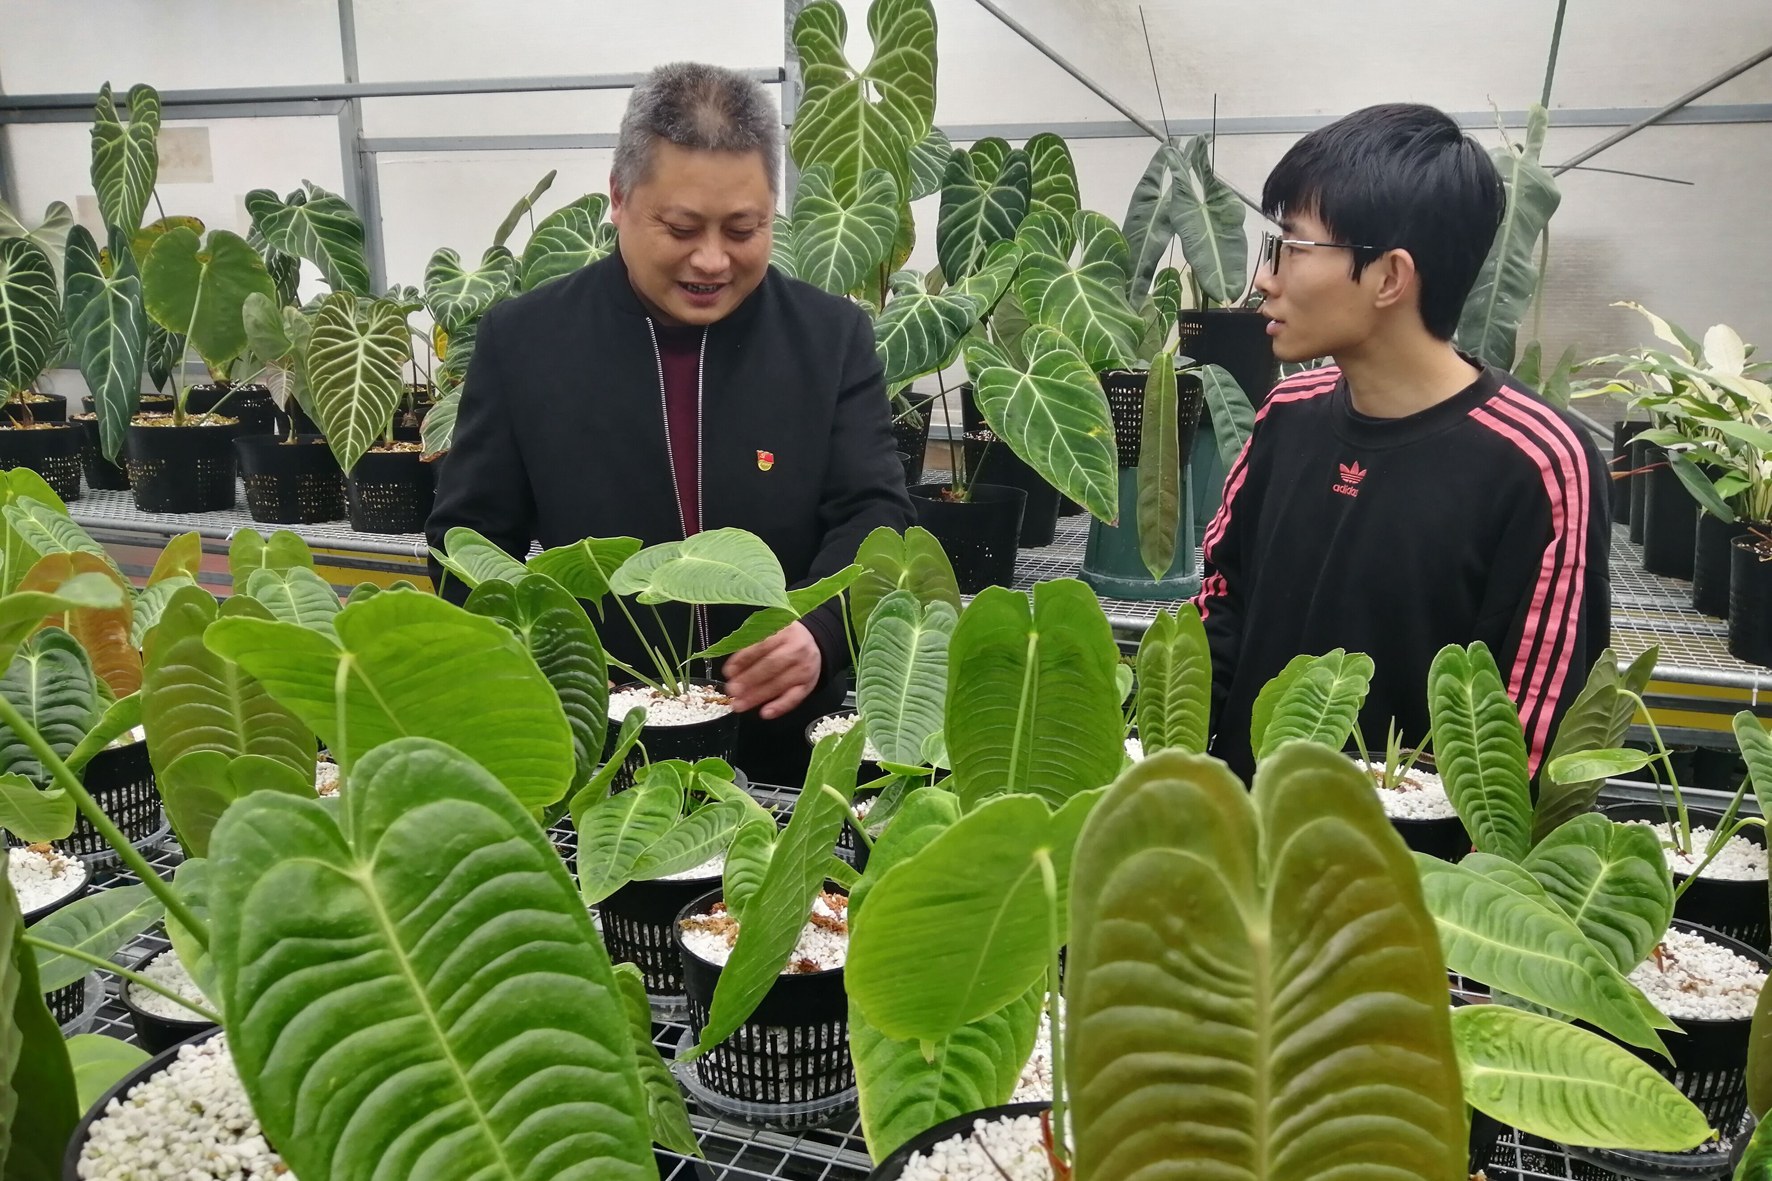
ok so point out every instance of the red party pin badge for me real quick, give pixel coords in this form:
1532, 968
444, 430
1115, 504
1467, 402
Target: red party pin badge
765, 460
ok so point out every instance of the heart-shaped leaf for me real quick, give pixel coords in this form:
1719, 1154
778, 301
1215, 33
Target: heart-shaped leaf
356, 371
979, 208
585, 567
22, 612
1150, 217
1053, 414
199, 288
696, 839
567, 239
1237, 959
1159, 467
200, 786
1174, 683
318, 226
929, 163
1086, 301
125, 155
838, 242
1598, 720
32, 814
1480, 751
455, 295
51, 685
1053, 176
919, 331
103, 632
182, 558
1612, 879
1031, 706
1208, 217
30, 313
715, 566
415, 665
890, 561
473, 559
50, 235
297, 596
431, 961
901, 678
614, 832
99, 925
107, 330
249, 550
1314, 699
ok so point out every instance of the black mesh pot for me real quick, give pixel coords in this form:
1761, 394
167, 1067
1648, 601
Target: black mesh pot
978, 535
291, 483
68, 1003
793, 1051
100, 473
52, 451
1750, 601
1710, 563
867, 772
391, 492
910, 431
640, 927
43, 408
1736, 909
1639, 488
1236, 340
1125, 394
716, 738
181, 469
121, 779
1670, 523
1622, 482
156, 1033
249, 405
893, 1166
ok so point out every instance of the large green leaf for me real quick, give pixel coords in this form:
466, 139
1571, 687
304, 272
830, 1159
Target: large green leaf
37, 1095
32, 814
1598, 720
901, 678
567, 239
1756, 752
473, 559
1053, 176
199, 289
100, 1063
839, 241
929, 163
774, 916
1174, 683
760, 625
51, 684
249, 550
297, 596
30, 313
107, 329
615, 831
318, 226
665, 1111
50, 235
1159, 468
585, 567
125, 155
437, 431
747, 864
1479, 749
1612, 879
200, 786
456, 295
715, 566
698, 838
99, 924
1489, 325
1255, 982
1232, 414
1086, 300
22, 611
1512, 942
1208, 217
1551, 1079
1053, 414
415, 665
854, 120
554, 628
979, 209
890, 561
1150, 216
920, 330
1031, 702
429, 965
1314, 699
355, 370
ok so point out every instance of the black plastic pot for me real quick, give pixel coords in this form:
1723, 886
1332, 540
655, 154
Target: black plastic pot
716, 738
911, 432
67, 1004
639, 924
1735, 909
121, 779
1443, 837
979, 535
181, 469
291, 483
1710, 563
129, 1082
156, 1033
100, 474
1639, 488
990, 461
43, 408
250, 405
1125, 395
391, 492
49, 908
1750, 601
51, 450
893, 1166
1670, 522
792, 1051
1235, 339
1623, 483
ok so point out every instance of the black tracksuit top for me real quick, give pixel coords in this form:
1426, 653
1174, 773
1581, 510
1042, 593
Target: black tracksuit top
1484, 517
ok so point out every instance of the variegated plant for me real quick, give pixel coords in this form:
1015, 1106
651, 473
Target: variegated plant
356, 358
107, 328
985, 194
318, 226
837, 243
455, 294
572, 236
1181, 196
30, 314
1082, 294
125, 155
50, 234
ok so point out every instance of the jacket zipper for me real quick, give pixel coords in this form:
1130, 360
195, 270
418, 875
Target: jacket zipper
664, 411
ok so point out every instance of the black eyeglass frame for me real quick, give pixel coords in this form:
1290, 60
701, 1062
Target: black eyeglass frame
1269, 255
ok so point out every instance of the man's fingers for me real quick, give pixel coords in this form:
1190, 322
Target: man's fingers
751, 688
742, 659
786, 701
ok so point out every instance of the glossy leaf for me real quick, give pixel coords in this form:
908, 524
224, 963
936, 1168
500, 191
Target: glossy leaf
318, 226
1612, 879
890, 561
107, 330
902, 676
1314, 699
699, 837
415, 666
613, 833
715, 566
1086, 301
1159, 468
585, 567
50, 234
979, 208
99, 924
355, 371
1238, 958
665, 1110
100, 1063
1052, 176
38, 1114
747, 863
104, 632
1597, 720
920, 331
929, 163
1208, 218
200, 786
567, 239
1489, 325
838, 242
1232, 414
32, 814
51, 685
30, 313
455, 294
1031, 706
125, 154
249, 550
430, 960
199, 288
1150, 217
1480, 751
1174, 683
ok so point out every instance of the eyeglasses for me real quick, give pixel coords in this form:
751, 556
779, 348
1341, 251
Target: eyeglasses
1271, 249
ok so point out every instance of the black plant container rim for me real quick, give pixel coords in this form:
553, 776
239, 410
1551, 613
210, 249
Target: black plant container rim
893, 1166
1708, 817
49, 908
139, 1017
124, 1085
42, 426
674, 727
1746, 951
705, 905
255, 443
1753, 544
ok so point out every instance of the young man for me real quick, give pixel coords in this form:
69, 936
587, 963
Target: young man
1406, 497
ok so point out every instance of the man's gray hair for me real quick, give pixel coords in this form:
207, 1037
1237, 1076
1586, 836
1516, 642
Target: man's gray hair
696, 106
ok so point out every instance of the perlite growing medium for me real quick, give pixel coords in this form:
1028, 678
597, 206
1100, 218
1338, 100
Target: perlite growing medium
326, 778
713, 867
1418, 796
1035, 1083
1692, 979
698, 703
842, 724
191, 1121
40, 876
823, 945
994, 1150
166, 971
1740, 861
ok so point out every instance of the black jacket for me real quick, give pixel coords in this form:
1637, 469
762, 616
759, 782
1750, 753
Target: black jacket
1484, 517
561, 436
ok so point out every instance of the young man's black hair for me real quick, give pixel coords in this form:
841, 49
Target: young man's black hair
1406, 497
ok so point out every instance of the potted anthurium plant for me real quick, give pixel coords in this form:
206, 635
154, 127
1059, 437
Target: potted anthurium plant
31, 333
51, 237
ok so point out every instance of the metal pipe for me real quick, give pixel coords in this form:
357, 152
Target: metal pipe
1658, 115
229, 110
362, 187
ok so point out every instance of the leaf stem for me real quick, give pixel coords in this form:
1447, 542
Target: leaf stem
74, 953
1054, 994
126, 852
1684, 842
674, 675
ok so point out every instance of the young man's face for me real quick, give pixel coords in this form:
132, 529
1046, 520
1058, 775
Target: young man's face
695, 234
1315, 306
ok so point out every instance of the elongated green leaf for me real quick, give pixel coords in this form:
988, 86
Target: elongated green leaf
22, 611
1597, 764
51, 684
1053, 414
716, 566
1489, 325
698, 838
1086, 301
747, 863
32, 814
1550, 1079
1233, 415
118, 719
37, 1095
1314, 699
524, 205
891, 561
1515, 943
1208, 218
1235, 961
1150, 217
1756, 752
979, 208
665, 1111
200, 288
100, 1063
1031, 705
567, 239
1479, 749
98, 924
1598, 720
248, 550
1052, 176
929, 163
1174, 683
437, 432
125, 154
356, 372
430, 959
585, 567
1159, 468
1612, 879
1756, 1163
902, 677
760, 625
30, 313
837, 242
773, 918
107, 330
50, 235
614, 833
297, 596
474, 559
318, 226
456, 295
417, 666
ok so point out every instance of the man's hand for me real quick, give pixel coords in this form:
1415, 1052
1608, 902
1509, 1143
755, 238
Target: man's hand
775, 674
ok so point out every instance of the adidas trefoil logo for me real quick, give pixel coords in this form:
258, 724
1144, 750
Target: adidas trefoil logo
1351, 475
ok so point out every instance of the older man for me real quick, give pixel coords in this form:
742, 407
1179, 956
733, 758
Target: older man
681, 384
